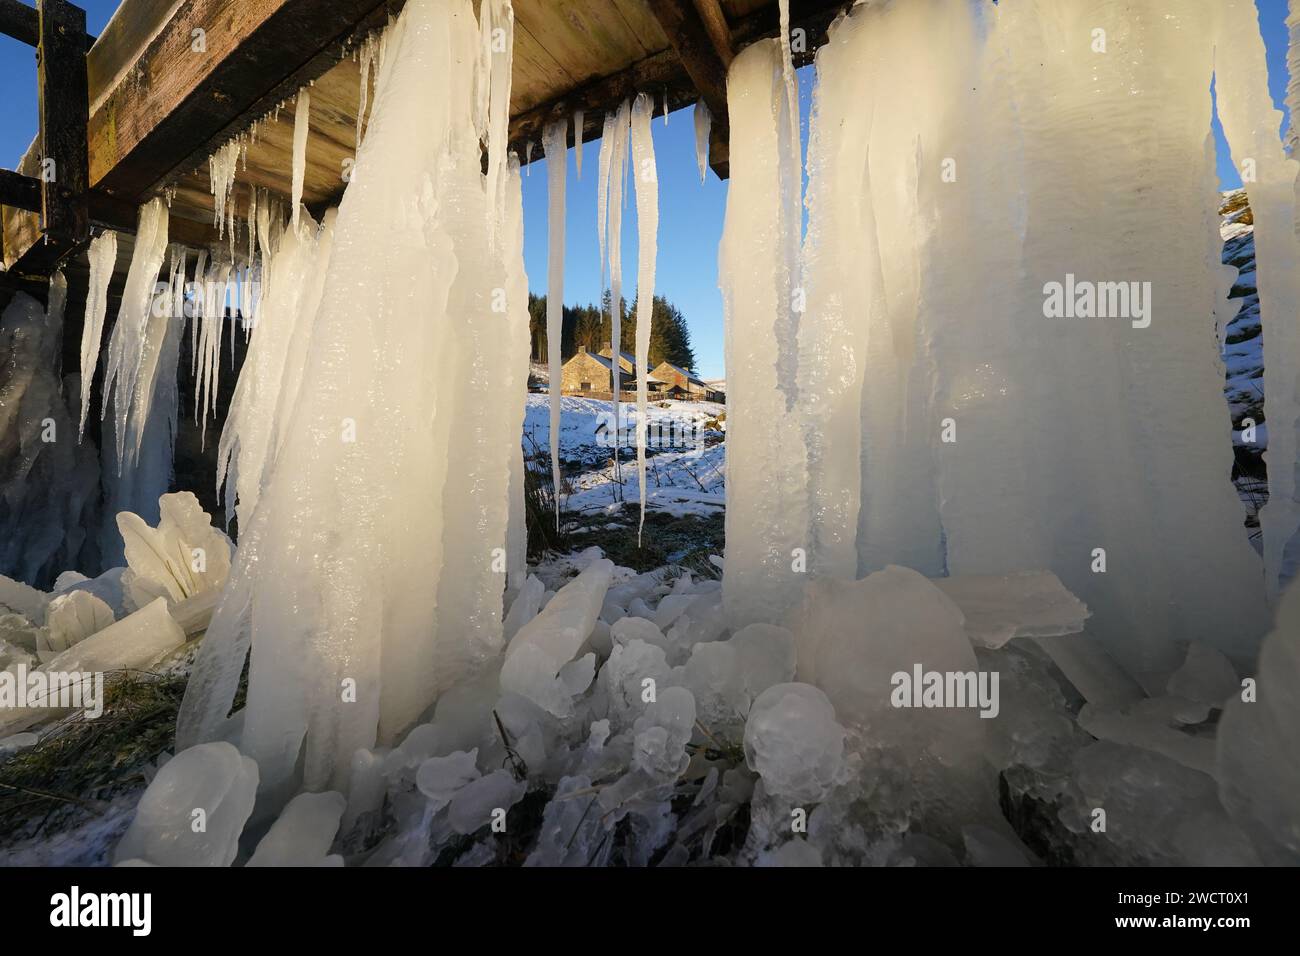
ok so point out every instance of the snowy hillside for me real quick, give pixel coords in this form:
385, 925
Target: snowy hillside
1243, 353
684, 454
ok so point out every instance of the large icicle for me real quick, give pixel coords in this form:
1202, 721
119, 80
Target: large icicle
647, 223
301, 126
132, 341
614, 231
498, 31
372, 558
556, 169
272, 369
1250, 124
766, 520
103, 257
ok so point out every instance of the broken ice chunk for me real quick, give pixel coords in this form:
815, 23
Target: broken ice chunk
767, 656
22, 599
998, 607
794, 853
662, 733
303, 833
1148, 728
440, 777
1093, 672
71, 618
524, 607
134, 642
552, 639
212, 784
1258, 759
794, 742
712, 675
1206, 676
183, 556
475, 805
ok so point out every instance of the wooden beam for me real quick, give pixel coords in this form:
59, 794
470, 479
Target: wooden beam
715, 25
19, 191
23, 23
208, 74
691, 42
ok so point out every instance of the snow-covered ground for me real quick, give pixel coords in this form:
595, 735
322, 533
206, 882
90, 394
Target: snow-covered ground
685, 454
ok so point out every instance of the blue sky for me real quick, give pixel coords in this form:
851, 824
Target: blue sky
690, 213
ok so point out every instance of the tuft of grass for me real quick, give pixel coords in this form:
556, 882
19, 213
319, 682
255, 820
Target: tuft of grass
684, 542
79, 765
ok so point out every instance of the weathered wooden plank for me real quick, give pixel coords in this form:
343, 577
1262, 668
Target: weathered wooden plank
715, 25
23, 23
19, 191
208, 74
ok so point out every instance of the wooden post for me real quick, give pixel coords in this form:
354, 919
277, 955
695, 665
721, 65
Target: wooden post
64, 115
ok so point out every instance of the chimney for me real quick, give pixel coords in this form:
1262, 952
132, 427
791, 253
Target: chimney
582, 348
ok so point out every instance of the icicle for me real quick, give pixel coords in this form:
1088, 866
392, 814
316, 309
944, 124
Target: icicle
703, 124
528, 157
103, 256
135, 338
198, 300
221, 180
618, 179
404, 395
578, 129
556, 168
498, 31
1250, 124
369, 50
301, 122
647, 223
665, 106
767, 512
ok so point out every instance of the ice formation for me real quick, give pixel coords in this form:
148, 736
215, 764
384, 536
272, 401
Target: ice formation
212, 780
103, 256
609, 222
911, 428
647, 224
556, 172
388, 575
48, 481
182, 557
767, 507
140, 386
273, 367
577, 141
703, 121
301, 127
303, 833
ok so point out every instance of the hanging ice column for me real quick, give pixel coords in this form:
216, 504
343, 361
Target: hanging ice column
647, 225
140, 382
767, 507
963, 164
609, 219
556, 171
369, 576
1250, 123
